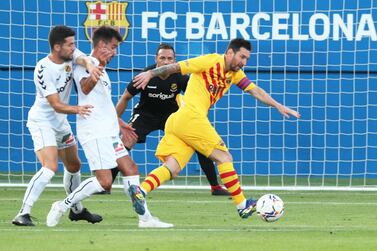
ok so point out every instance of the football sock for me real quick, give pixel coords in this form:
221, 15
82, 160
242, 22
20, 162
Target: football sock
229, 178
35, 187
71, 182
208, 168
135, 180
83, 191
154, 179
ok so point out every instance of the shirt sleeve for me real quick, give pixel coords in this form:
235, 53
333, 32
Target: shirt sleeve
133, 90
43, 81
183, 80
79, 72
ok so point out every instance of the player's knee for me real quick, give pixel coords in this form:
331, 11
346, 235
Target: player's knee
74, 166
226, 157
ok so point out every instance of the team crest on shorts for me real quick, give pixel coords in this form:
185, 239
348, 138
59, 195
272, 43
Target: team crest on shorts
112, 14
173, 87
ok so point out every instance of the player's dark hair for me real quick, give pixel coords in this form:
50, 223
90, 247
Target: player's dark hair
238, 43
106, 34
164, 46
58, 34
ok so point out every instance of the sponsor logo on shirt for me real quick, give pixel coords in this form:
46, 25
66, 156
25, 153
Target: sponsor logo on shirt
160, 95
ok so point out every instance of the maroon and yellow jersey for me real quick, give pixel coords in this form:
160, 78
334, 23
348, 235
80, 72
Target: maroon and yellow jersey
209, 81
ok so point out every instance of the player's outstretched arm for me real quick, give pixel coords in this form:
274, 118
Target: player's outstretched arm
141, 80
262, 96
60, 107
123, 103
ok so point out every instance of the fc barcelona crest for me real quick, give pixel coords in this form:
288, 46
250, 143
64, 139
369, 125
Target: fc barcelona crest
112, 14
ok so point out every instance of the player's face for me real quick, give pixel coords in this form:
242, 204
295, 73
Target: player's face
239, 59
65, 50
165, 57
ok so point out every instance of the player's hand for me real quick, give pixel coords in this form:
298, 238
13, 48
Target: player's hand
127, 131
288, 111
84, 110
141, 80
104, 56
95, 72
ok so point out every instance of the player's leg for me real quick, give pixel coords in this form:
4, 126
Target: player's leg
101, 157
46, 150
209, 170
72, 179
202, 136
229, 177
131, 179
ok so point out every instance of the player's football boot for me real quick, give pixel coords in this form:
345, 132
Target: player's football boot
138, 199
23, 220
55, 214
250, 208
219, 191
154, 222
85, 215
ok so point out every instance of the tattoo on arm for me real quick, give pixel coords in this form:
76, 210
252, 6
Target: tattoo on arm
166, 70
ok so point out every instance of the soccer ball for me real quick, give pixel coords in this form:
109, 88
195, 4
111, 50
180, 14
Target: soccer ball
270, 207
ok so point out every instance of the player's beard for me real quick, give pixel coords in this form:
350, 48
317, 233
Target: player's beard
67, 57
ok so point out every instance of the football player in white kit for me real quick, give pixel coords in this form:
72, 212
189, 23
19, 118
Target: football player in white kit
48, 125
99, 135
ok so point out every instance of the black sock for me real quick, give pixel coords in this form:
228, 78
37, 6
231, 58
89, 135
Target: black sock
208, 168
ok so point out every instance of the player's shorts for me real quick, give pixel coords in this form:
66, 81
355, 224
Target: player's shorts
44, 136
145, 123
103, 153
186, 132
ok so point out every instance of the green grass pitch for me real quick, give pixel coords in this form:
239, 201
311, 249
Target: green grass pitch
312, 221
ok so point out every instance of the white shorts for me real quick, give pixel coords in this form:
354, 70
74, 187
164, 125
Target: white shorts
44, 136
103, 153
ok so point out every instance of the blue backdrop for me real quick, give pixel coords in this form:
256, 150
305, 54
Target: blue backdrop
331, 82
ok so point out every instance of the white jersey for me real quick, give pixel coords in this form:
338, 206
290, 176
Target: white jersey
51, 78
103, 119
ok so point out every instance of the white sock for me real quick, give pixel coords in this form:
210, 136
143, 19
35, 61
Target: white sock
71, 182
135, 180
242, 205
83, 191
34, 189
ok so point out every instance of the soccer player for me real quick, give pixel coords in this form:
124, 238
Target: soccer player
157, 102
189, 129
48, 125
99, 134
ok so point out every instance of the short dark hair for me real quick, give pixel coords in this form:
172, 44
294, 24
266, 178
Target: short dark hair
106, 34
58, 34
238, 43
165, 46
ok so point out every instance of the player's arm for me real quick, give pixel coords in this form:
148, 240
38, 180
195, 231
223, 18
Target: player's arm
88, 83
81, 59
141, 80
123, 103
262, 96
60, 107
